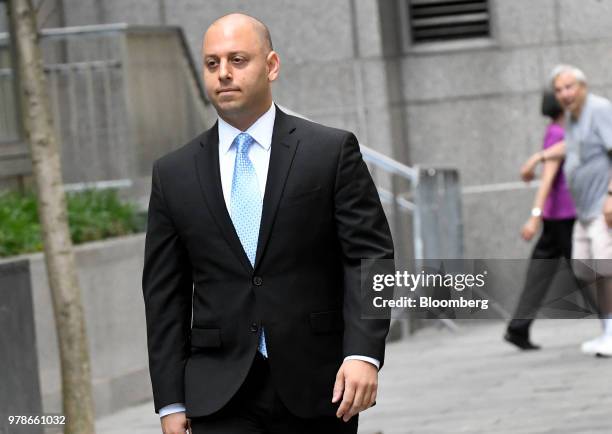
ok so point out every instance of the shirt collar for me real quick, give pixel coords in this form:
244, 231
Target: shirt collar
261, 131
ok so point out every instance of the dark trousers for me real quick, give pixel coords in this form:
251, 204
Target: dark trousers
256, 408
553, 247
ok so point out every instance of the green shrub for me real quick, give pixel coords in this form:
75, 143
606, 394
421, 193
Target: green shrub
92, 215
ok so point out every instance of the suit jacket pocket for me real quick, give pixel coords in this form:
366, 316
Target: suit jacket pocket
330, 321
300, 197
205, 338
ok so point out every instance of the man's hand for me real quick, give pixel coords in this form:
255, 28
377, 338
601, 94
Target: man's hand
608, 210
175, 423
530, 228
528, 168
357, 384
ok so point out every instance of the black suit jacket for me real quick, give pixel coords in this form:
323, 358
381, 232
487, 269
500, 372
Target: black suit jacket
205, 303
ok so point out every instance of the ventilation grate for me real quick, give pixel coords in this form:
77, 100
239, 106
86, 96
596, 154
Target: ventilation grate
442, 20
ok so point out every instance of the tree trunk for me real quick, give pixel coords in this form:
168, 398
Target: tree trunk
59, 255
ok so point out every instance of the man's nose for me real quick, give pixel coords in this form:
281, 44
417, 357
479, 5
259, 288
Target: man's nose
224, 70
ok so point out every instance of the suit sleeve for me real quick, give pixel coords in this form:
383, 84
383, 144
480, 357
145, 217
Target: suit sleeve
167, 288
363, 233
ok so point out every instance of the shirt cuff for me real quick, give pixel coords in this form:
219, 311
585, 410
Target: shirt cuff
172, 408
365, 359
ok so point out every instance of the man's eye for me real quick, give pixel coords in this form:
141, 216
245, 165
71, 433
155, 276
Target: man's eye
211, 63
238, 60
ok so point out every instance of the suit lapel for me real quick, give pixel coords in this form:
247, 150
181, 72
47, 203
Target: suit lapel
282, 151
209, 176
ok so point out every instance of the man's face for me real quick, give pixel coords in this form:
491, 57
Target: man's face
570, 92
238, 69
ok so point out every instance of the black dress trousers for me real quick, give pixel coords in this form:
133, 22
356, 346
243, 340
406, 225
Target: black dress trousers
257, 409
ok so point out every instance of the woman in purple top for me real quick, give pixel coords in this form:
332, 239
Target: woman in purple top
553, 210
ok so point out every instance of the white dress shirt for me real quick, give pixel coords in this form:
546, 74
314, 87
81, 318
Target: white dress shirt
259, 154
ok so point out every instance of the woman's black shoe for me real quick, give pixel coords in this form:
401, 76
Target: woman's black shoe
520, 341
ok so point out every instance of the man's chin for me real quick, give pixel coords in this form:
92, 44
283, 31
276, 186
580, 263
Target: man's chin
229, 110
568, 106
228, 105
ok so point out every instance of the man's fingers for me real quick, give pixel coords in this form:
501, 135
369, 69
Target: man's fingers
368, 399
360, 384
338, 386
358, 401
374, 394
371, 398
347, 399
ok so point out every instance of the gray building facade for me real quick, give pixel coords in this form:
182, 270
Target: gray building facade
468, 102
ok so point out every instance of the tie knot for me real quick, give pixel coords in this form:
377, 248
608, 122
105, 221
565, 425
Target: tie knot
243, 141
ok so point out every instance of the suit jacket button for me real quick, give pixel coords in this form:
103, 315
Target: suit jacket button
257, 281
254, 327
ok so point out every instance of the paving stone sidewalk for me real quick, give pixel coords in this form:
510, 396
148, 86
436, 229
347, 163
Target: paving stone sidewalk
472, 382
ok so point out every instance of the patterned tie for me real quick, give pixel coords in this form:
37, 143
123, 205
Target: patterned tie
246, 205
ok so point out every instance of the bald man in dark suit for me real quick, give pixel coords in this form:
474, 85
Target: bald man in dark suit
256, 234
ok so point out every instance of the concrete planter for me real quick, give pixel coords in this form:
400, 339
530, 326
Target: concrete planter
110, 275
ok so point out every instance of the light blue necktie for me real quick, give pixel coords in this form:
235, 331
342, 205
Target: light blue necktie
246, 205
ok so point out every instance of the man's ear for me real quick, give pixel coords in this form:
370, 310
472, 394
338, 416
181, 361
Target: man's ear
273, 62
